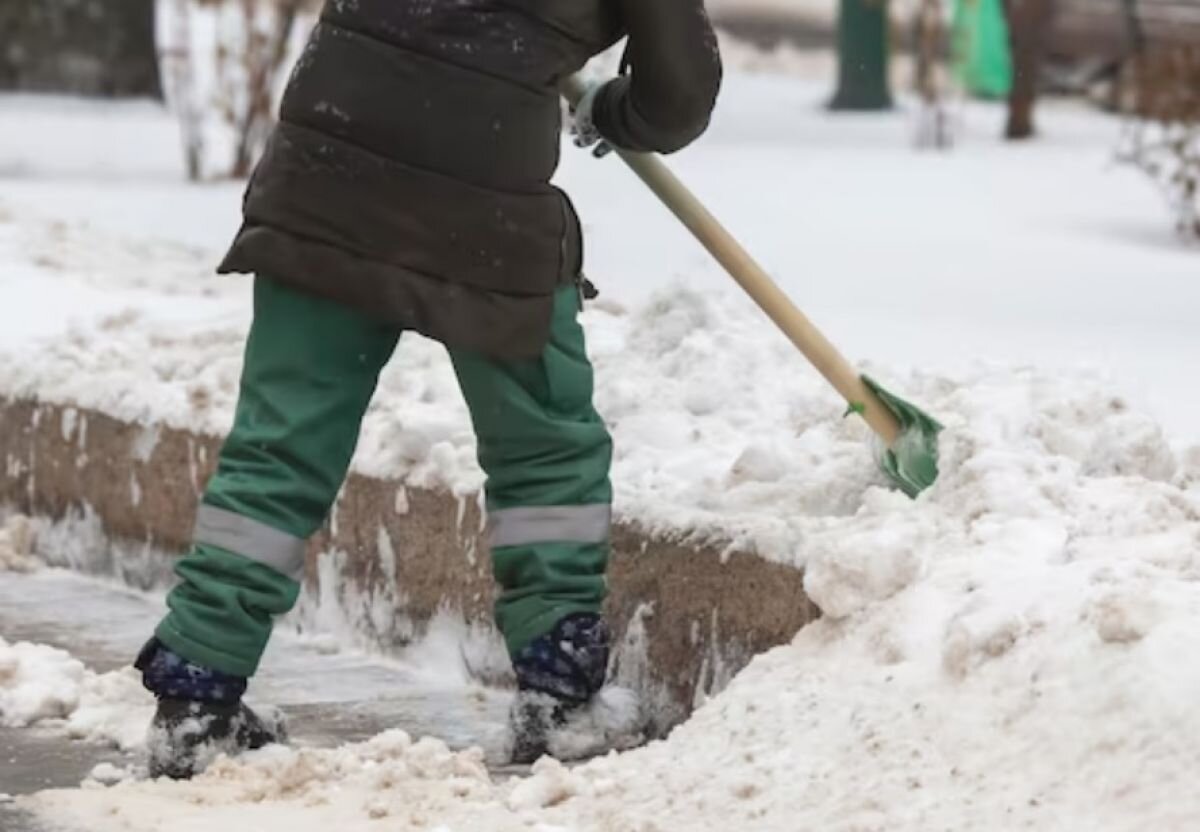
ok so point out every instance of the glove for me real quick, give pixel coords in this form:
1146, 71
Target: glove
583, 128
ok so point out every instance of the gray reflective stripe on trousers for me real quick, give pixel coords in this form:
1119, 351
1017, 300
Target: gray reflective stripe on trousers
251, 539
549, 524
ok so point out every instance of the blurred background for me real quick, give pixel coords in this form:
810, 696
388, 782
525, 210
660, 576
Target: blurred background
224, 61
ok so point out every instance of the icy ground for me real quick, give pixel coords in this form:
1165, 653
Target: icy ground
1011, 651
100, 699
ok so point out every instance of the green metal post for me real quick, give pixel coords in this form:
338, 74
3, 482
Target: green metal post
862, 56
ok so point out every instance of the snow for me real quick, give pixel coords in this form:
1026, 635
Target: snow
722, 451
1009, 651
389, 779
1024, 253
430, 684
16, 546
812, 12
613, 720
824, 11
44, 686
1004, 653
108, 774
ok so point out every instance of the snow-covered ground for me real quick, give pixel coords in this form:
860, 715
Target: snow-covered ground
1010, 651
822, 11
1047, 255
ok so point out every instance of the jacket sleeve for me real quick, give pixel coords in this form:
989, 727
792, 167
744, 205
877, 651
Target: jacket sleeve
666, 100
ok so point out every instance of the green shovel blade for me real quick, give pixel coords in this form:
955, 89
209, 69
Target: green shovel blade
911, 463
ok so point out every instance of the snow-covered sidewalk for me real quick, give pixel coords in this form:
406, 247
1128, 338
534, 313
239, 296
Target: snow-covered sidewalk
1011, 652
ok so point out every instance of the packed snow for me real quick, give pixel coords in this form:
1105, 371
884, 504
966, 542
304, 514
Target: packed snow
16, 545
1009, 651
1003, 653
47, 687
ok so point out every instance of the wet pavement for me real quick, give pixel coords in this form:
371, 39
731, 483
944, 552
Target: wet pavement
329, 698
32, 760
14, 820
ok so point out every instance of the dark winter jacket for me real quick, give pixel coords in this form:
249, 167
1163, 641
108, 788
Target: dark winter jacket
410, 173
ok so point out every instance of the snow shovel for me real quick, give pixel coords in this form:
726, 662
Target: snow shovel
909, 436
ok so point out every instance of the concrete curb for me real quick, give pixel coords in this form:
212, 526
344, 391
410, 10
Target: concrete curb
687, 616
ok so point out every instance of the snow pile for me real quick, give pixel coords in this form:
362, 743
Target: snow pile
388, 782
43, 686
1006, 653
741, 443
108, 774
723, 449
133, 366
16, 545
1009, 651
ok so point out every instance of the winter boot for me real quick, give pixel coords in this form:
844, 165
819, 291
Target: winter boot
557, 673
200, 714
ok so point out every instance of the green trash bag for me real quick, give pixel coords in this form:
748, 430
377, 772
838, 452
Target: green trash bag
982, 55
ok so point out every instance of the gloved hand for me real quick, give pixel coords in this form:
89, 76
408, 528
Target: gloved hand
583, 128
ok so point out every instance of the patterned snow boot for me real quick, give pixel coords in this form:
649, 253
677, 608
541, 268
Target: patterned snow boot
557, 673
200, 715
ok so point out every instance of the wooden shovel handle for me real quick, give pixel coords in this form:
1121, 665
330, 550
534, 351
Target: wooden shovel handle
756, 282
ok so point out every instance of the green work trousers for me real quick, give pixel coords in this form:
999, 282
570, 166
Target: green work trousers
311, 368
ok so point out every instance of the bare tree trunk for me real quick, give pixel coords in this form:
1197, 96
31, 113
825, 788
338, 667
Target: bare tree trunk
929, 36
178, 71
1029, 26
230, 104
264, 60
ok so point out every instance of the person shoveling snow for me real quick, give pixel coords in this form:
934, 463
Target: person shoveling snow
407, 187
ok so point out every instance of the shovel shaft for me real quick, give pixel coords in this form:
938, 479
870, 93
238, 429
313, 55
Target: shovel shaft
743, 268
